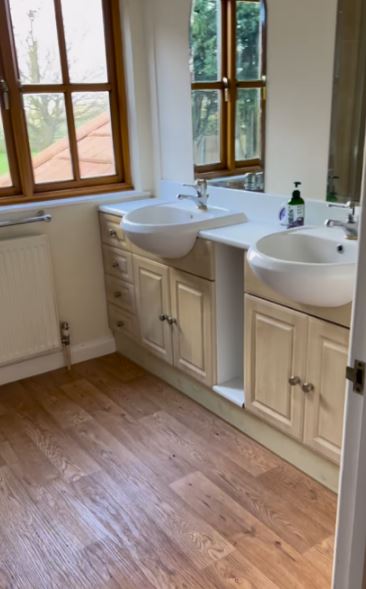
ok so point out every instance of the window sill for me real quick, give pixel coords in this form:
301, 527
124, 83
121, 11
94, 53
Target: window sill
107, 197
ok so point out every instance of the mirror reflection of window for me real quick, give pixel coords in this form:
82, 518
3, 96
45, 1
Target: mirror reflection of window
227, 64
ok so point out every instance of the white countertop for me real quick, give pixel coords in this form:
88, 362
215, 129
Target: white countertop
241, 236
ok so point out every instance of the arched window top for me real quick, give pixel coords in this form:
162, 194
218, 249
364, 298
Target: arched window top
228, 70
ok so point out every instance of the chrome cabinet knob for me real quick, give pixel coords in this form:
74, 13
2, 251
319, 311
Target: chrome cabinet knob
171, 320
163, 317
112, 233
307, 387
294, 380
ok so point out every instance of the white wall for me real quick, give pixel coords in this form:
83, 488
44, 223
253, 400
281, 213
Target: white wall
301, 37
300, 69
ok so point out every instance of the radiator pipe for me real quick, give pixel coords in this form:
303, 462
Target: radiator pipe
65, 340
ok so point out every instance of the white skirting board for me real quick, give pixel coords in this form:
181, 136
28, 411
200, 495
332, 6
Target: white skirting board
53, 361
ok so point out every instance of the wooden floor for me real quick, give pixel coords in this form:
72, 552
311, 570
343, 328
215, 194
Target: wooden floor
111, 479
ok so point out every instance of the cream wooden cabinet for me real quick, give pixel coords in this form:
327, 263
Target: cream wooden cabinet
275, 350
280, 344
324, 406
192, 302
175, 311
153, 306
118, 275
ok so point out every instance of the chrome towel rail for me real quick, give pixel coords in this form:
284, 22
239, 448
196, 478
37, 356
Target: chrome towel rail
40, 217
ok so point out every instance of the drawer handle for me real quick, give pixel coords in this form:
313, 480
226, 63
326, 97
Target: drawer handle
171, 320
117, 294
113, 233
115, 264
307, 387
294, 380
120, 324
163, 317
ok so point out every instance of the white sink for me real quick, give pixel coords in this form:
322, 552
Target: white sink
170, 230
309, 266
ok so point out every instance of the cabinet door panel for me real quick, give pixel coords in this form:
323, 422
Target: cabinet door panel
324, 406
192, 308
152, 293
275, 349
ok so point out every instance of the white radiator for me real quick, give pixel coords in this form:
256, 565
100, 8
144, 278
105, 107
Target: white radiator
29, 323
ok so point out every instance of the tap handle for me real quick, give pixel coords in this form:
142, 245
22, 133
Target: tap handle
351, 204
200, 186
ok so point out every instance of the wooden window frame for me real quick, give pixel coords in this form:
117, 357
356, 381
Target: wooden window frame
229, 166
24, 188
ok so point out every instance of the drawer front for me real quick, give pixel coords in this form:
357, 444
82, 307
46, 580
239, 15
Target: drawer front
118, 263
111, 232
120, 293
123, 322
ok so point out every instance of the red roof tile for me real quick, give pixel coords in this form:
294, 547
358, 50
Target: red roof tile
95, 148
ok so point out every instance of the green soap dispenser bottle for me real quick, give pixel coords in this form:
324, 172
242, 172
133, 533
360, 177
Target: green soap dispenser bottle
296, 208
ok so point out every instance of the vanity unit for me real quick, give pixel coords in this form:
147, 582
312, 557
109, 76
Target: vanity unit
294, 364
168, 308
209, 317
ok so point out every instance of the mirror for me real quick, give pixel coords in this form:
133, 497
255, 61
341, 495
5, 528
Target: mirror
349, 104
282, 91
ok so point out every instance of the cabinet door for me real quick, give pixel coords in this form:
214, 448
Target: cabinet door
324, 406
153, 301
193, 327
274, 351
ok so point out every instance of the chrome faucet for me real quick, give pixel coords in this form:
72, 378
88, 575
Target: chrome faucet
350, 226
202, 195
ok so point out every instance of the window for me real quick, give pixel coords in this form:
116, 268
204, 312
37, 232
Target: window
228, 86
63, 128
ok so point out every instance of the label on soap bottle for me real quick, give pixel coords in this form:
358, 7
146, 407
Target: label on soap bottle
296, 216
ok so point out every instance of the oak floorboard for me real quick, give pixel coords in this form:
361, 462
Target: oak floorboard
151, 450
306, 494
289, 522
250, 455
111, 479
227, 515
194, 536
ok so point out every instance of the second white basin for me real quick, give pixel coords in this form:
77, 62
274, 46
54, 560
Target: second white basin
309, 266
170, 230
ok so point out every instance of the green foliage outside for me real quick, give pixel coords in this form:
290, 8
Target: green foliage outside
3, 163
205, 60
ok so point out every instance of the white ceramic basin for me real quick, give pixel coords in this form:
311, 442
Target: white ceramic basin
310, 266
170, 230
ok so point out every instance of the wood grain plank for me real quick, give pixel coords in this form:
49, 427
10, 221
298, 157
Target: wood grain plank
237, 572
150, 548
289, 523
111, 479
195, 538
304, 493
248, 454
130, 432
227, 515
70, 460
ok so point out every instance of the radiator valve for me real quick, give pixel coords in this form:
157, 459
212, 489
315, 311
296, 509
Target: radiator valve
65, 341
